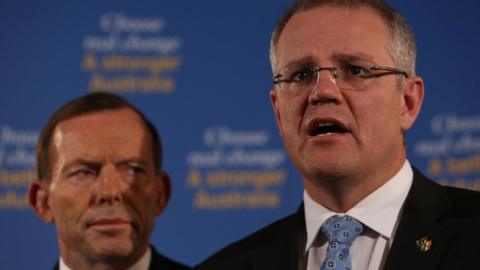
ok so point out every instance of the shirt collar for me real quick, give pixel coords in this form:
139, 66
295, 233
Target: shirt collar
379, 210
142, 264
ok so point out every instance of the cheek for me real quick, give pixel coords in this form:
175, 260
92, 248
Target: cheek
375, 117
291, 113
68, 202
384, 119
143, 198
67, 212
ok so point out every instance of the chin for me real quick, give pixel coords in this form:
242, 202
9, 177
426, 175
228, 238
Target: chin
113, 249
326, 171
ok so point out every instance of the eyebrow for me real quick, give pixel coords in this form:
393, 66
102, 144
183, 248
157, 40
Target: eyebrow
89, 163
310, 60
78, 162
343, 57
132, 160
304, 61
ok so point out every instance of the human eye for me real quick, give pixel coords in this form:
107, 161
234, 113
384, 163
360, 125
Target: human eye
355, 70
132, 170
303, 75
80, 174
135, 170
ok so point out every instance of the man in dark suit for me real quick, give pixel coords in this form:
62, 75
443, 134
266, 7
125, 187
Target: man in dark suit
101, 183
345, 92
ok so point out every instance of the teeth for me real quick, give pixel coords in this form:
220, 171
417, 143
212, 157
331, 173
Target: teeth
325, 129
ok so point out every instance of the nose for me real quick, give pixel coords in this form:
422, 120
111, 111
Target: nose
109, 185
325, 89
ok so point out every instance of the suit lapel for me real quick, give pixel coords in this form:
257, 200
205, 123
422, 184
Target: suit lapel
158, 261
287, 249
426, 203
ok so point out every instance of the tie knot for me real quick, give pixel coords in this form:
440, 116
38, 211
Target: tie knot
342, 230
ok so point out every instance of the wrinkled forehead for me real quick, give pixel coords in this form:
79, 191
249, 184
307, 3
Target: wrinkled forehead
113, 132
323, 35
105, 123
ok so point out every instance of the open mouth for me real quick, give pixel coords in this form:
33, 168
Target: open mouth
325, 128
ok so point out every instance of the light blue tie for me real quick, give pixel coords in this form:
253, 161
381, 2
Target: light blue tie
340, 232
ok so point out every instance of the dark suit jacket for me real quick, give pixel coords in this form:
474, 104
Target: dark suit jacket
449, 217
158, 261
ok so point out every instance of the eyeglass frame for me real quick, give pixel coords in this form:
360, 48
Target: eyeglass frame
316, 69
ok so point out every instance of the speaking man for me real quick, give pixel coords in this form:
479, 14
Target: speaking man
345, 92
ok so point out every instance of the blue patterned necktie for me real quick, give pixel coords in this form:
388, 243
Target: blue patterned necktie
340, 232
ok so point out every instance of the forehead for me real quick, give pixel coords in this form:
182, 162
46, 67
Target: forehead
323, 33
108, 132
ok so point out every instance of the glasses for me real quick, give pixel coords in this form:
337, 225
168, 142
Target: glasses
347, 77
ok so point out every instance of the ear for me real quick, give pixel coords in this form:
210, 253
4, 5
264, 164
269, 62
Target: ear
413, 94
274, 101
38, 193
163, 190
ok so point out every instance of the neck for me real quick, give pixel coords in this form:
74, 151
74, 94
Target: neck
341, 193
77, 260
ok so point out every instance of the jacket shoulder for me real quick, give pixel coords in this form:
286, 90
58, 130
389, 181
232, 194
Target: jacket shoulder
161, 262
464, 202
433, 200
256, 245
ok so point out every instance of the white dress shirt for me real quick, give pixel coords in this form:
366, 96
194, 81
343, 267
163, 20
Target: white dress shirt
142, 264
379, 212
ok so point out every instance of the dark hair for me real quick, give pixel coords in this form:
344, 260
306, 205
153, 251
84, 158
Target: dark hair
402, 47
86, 104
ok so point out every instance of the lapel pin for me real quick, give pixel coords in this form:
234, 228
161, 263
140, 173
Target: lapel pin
424, 244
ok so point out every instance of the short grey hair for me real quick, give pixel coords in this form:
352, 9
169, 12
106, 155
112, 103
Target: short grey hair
402, 47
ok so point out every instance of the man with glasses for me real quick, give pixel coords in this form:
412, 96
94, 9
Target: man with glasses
345, 92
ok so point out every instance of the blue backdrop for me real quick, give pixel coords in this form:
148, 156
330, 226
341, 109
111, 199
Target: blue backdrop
200, 71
